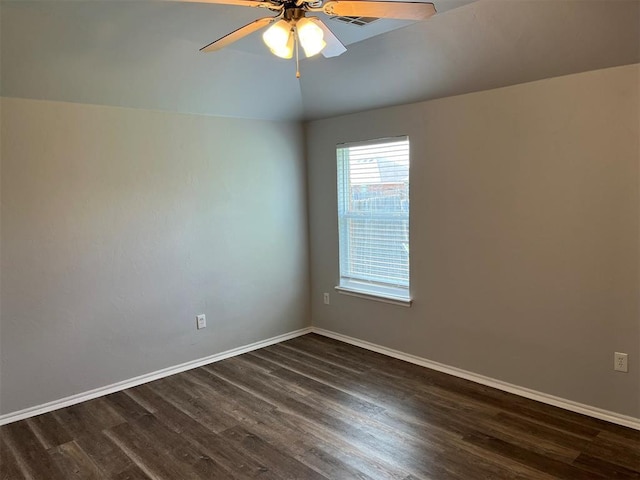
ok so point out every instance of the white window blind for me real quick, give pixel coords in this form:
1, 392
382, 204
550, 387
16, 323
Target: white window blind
373, 217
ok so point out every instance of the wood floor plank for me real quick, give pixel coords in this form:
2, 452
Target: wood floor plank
380, 383
544, 464
464, 416
367, 387
323, 449
74, 463
288, 381
414, 454
9, 468
277, 425
614, 449
604, 468
143, 453
273, 427
534, 411
359, 411
283, 465
382, 364
245, 365
312, 408
242, 405
333, 368
539, 434
180, 450
200, 436
337, 360
318, 343
125, 406
474, 461
622, 433
132, 473
155, 458
88, 417
180, 392
111, 460
32, 459
329, 464
49, 431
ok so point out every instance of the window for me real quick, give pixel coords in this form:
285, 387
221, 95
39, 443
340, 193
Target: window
373, 218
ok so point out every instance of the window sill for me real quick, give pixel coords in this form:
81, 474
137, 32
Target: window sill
403, 302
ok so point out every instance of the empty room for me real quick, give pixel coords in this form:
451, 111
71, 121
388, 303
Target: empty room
319, 239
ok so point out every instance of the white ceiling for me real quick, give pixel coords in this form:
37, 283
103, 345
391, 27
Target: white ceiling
144, 54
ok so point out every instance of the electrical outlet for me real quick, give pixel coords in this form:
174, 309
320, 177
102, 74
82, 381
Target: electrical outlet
201, 321
327, 299
620, 362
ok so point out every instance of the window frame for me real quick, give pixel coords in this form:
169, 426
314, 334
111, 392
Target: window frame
388, 292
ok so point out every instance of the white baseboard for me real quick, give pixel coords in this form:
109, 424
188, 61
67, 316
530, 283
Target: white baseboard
570, 405
595, 412
133, 382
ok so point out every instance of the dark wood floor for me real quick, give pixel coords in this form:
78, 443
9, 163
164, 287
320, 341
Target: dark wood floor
314, 408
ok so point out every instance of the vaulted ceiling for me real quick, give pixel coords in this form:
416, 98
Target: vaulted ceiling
144, 54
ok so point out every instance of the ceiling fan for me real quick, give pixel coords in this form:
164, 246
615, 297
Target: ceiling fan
291, 26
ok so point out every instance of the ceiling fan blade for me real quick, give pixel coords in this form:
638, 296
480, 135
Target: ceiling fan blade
238, 34
242, 3
334, 46
399, 10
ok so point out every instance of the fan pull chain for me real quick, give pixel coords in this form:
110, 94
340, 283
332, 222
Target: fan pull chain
295, 37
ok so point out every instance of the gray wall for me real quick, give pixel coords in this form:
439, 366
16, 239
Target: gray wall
119, 226
524, 234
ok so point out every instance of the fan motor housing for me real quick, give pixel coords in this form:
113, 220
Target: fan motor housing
293, 13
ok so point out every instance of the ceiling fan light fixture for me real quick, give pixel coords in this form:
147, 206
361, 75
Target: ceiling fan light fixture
292, 27
279, 39
311, 37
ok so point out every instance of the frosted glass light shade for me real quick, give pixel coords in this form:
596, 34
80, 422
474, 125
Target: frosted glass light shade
311, 37
279, 39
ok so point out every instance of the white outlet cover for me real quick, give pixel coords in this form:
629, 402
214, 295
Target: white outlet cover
620, 362
201, 321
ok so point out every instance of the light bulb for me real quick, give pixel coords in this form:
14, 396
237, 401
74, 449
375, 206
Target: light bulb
286, 51
311, 37
279, 39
